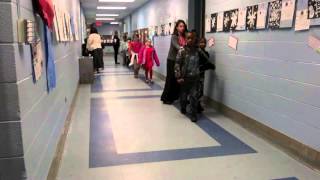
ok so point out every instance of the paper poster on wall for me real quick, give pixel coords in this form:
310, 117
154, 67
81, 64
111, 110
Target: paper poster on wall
275, 14
314, 9
262, 15
230, 20
211, 42
167, 29
251, 19
162, 30
208, 24
37, 60
156, 30
220, 22
213, 22
287, 12
314, 42
233, 42
242, 15
55, 24
302, 21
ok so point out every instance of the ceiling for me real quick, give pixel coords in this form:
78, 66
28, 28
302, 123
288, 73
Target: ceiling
90, 9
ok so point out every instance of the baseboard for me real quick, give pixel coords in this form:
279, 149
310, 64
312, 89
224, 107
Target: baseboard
56, 162
292, 147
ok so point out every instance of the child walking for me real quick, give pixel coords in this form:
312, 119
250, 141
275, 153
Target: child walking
205, 65
135, 48
147, 57
187, 72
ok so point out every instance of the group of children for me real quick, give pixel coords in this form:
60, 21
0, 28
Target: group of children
191, 63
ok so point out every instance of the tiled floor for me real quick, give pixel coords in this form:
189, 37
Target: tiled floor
121, 131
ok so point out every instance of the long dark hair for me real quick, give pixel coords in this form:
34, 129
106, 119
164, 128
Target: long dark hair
93, 30
175, 32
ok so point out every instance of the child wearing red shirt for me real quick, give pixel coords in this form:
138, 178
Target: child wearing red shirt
147, 57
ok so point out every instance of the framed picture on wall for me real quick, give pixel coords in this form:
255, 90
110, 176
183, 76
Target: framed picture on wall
287, 12
220, 22
242, 15
227, 21
262, 15
314, 9
213, 22
252, 15
275, 14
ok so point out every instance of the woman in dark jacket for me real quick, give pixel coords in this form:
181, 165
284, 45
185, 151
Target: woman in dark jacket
172, 88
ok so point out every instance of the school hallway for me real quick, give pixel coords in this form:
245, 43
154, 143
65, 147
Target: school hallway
120, 130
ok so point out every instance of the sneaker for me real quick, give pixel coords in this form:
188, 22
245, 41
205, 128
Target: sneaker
151, 81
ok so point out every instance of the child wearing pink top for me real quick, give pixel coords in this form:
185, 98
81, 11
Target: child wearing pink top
135, 47
147, 57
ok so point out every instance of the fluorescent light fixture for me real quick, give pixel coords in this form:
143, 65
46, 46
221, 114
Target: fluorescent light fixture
105, 19
116, 0
114, 23
111, 7
107, 15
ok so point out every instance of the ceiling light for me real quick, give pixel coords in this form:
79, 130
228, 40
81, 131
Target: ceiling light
116, 0
105, 19
110, 15
110, 7
114, 23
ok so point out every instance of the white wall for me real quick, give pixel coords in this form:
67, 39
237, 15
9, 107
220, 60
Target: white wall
158, 12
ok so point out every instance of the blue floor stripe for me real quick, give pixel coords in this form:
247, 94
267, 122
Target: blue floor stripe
103, 150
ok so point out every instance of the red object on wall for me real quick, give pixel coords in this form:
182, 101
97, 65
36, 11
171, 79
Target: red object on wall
45, 9
98, 23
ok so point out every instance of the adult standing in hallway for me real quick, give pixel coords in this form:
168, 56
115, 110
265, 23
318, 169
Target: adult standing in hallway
94, 45
116, 46
178, 41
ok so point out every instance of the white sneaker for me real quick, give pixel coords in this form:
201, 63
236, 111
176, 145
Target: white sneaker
131, 64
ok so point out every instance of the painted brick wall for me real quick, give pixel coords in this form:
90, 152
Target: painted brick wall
273, 77
31, 118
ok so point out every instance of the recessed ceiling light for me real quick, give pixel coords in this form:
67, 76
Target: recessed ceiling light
114, 23
110, 15
116, 0
110, 7
105, 19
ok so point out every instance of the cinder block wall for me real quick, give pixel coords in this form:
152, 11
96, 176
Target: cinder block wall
273, 77
31, 119
11, 149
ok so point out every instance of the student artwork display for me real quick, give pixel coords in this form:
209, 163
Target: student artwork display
287, 12
262, 15
211, 42
302, 22
242, 15
220, 22
314, 9
213, 22
171, 27
233, 42
275, 14
252, 15
230, 20
208, 25
37, 60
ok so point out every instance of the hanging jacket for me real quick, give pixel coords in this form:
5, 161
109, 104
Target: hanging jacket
45, 9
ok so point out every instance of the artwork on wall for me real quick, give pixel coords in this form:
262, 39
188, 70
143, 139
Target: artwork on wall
162, 30
275, 14
220, 22
251, 20
242, 15
208, 24
37, 60
287, 12
213, 22
211, 42
226, 21
156, 30
233, 42
262, 15
302, 22
171, 26
314, 9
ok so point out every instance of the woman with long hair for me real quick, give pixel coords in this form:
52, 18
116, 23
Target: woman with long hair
178, 41
94, 45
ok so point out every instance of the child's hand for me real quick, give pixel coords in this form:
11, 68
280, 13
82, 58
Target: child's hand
180, 81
